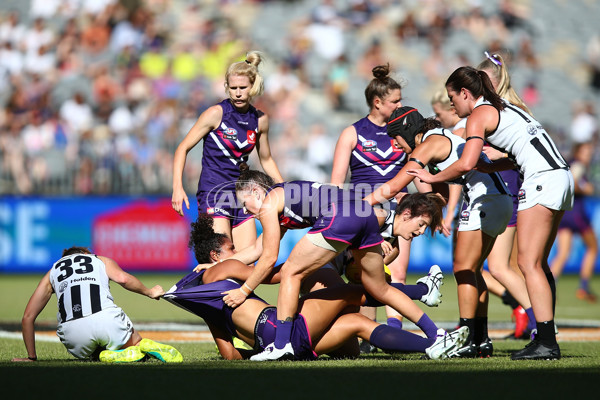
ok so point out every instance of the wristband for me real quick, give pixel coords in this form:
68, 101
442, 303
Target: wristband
249, 288
243, 291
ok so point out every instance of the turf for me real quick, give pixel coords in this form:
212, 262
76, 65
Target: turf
204, 374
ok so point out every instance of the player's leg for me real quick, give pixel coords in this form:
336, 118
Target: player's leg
373, 279
243, 234
536, 230
588, 263
564, 239
398, 268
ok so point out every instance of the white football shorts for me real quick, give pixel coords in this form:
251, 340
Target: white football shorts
552, 189
490, 213
110, 328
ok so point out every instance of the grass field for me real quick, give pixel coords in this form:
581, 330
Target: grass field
204, 374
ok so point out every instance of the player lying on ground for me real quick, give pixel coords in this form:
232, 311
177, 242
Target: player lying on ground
328, 319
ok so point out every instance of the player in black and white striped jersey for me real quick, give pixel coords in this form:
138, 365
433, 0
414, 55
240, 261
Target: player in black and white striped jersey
547, 189
90, 324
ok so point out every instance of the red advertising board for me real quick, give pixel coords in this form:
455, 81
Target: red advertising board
143, 236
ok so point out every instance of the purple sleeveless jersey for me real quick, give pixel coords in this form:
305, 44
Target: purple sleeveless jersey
513, 181
576, 219
375, 160
224, 150
206, 301
338, 214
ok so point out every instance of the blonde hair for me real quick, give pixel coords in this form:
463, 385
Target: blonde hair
441, 97
249, 68
496, 64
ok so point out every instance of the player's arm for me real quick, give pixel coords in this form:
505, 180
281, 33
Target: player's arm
36, 304
264, 150
128, 281
237, 270
483, 119
269, 218
224, 343
207, 122
422, 155
341, 157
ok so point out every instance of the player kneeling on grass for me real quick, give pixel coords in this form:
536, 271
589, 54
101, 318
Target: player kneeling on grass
90, 324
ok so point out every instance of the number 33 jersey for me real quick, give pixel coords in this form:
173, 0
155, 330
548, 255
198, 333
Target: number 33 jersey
81, 286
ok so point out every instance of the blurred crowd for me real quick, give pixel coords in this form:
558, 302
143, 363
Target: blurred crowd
95, 95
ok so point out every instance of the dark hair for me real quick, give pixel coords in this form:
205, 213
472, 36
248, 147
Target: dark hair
75, 250
381, 85
430, 204
477, 82
203, 239
252, 177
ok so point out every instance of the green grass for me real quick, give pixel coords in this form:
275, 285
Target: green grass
204, 374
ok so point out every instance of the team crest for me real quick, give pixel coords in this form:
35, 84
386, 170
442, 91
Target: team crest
369, 146
531, 129
251, 137
62, 287
230, 134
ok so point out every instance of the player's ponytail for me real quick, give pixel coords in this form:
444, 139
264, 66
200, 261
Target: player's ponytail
477, 82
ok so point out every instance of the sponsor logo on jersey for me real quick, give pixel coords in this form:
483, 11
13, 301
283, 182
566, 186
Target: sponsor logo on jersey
369, 146
77, 308
251, 137
395, 147
210, 210
243, 122
381, 133
538, 188
464, 216
230, 134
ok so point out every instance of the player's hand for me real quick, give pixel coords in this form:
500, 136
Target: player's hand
202, 267
446, 227
23, 360
422, 175
386, 247
156, 292
493, 154
234, 297
177, 200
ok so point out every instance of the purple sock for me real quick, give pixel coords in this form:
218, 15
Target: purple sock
414, 292
392, 339
283, 333
427, 326
394, 322
531, 316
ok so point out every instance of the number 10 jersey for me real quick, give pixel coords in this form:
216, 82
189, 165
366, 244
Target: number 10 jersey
81, 286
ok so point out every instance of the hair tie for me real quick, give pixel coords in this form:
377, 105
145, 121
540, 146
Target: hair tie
493, 58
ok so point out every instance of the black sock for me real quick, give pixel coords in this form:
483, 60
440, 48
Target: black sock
481, 331
552, 283
469, 323
546, 333
509, 300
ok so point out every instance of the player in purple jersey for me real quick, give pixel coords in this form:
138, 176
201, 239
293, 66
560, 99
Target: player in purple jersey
373, 159
338, 219
327, 318
231, 130
545, 195
93, 328
577, 221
